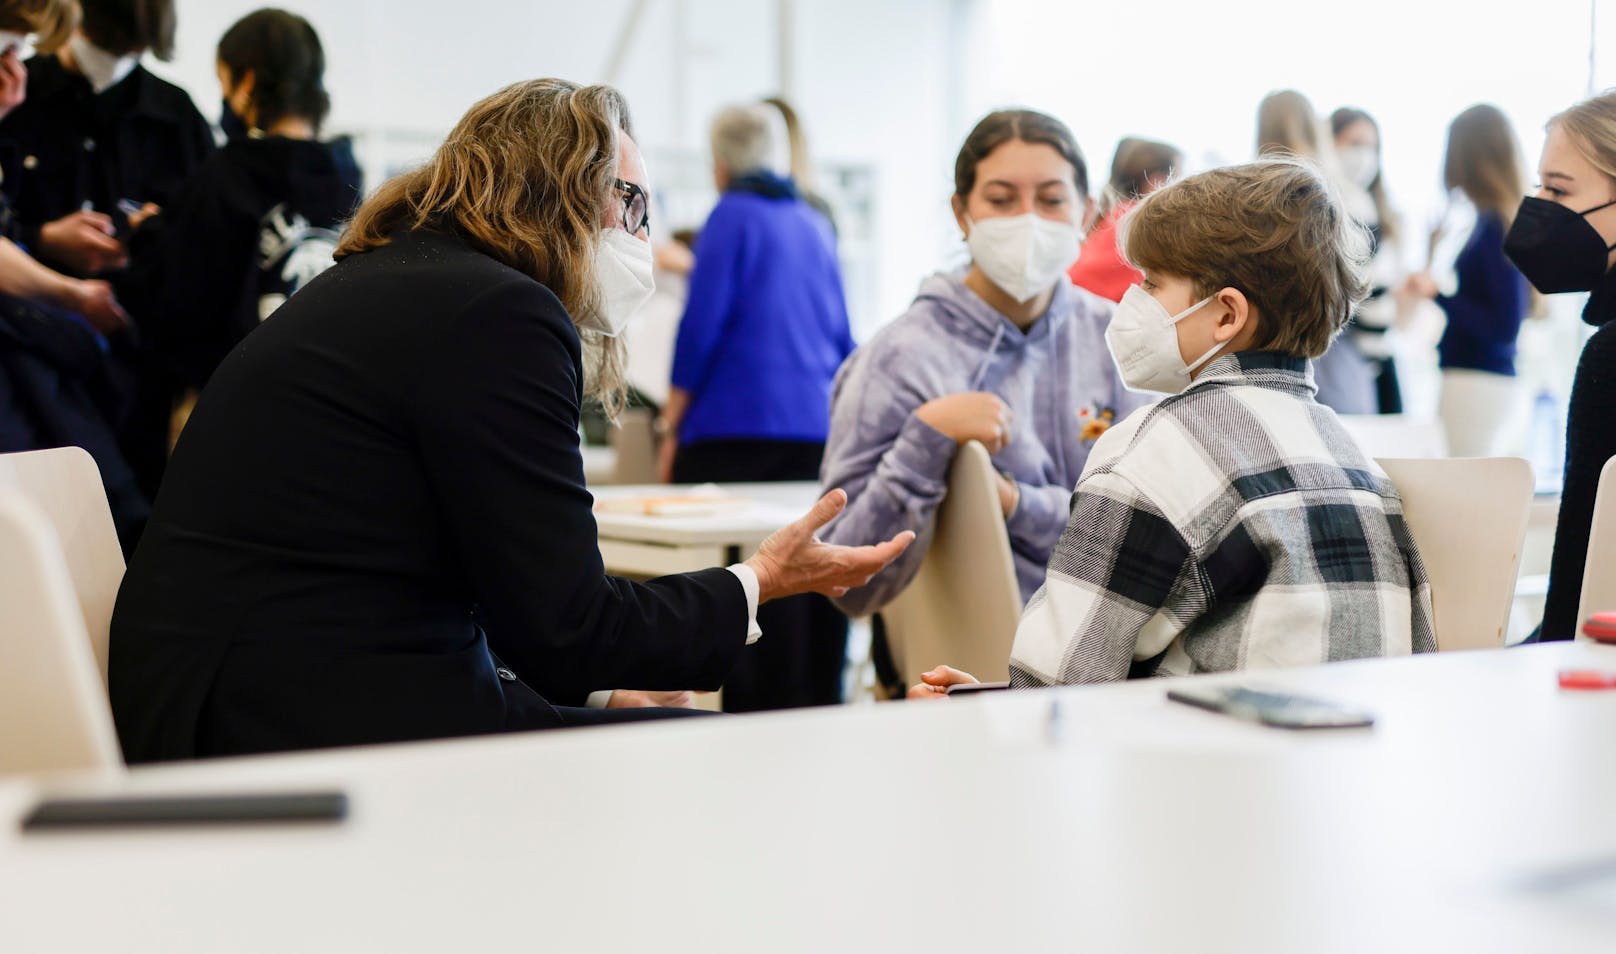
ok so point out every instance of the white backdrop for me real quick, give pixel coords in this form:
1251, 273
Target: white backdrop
878, 82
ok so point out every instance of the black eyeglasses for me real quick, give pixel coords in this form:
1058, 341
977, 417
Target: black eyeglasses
636, 208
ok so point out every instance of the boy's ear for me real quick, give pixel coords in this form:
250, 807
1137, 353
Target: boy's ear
1238, 314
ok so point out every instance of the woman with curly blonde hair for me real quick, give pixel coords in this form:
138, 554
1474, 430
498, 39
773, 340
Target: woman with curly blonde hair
375, 525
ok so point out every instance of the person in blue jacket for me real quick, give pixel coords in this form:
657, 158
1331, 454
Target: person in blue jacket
764, 330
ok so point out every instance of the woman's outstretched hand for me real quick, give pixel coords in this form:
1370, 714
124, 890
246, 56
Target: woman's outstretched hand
792, 560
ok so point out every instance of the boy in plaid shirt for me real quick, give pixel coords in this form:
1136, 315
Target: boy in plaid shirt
1235, 524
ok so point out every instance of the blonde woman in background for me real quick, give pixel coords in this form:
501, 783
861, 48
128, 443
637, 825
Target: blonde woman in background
1287, 125
802, 163
1562, 240
1484, 297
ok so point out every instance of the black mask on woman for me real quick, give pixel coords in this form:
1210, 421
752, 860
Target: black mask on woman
1557, 248
230, 124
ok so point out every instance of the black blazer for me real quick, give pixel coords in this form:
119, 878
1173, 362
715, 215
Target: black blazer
380, 491
65, 145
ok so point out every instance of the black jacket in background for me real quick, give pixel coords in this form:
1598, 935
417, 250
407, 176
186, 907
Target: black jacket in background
140, 139
379, 491
257, 221
1590, 442
58, 389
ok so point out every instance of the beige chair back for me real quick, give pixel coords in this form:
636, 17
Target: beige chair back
1599, 573
65, 484
635, 443
1397, 435
963, 605
1468, 519
54, 715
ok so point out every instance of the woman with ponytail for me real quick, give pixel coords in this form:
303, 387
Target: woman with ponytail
257, 221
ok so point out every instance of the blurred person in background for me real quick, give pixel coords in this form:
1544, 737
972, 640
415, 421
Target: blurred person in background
100, 136
1363, 191
802, 162
257, 221
57, 385
1482, 405
1138, 168
764, 329
1287, 125
99, 146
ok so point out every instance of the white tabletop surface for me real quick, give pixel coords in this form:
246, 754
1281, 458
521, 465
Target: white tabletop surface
769, 507
1140, 825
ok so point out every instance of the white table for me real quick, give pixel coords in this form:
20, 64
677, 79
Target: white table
958, 825
636, 545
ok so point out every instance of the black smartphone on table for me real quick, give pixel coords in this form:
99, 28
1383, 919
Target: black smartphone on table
144, 811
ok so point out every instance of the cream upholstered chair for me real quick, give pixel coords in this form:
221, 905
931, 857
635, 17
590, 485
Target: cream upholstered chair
54, 715
963, 605
1468, 519
65, 484
1599, 573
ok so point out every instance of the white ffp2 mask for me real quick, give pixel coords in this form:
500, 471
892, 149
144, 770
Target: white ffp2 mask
1023, 254
1144, 344
624, 268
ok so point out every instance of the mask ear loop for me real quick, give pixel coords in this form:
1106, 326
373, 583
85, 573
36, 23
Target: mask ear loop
1587, 212
1203, 359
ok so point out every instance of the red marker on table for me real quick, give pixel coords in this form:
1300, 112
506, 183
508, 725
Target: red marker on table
1587, 679
1601, 626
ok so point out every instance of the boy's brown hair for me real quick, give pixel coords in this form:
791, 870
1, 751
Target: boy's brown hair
1274, 229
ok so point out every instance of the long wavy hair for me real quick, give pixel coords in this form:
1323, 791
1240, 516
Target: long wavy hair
524, 177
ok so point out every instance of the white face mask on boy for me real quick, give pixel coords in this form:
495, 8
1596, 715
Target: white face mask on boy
1144, 343
1023, 254
623, 269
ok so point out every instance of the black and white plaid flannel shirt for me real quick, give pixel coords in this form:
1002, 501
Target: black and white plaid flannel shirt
1234, 526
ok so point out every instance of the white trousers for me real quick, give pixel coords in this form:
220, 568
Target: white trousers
1482, 412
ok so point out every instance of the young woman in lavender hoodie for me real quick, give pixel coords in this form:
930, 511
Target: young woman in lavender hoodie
1007, 352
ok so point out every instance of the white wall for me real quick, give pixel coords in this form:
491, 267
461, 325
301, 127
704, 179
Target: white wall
870, 77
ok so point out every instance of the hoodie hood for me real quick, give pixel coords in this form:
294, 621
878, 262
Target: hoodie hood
318, 180
964, 314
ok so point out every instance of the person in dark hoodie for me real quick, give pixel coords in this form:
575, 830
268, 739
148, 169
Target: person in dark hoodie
257, 222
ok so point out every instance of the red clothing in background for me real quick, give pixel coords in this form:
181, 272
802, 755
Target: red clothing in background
1099, 267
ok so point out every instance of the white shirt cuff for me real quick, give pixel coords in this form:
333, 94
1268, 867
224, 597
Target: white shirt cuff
749, 583
598, 698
